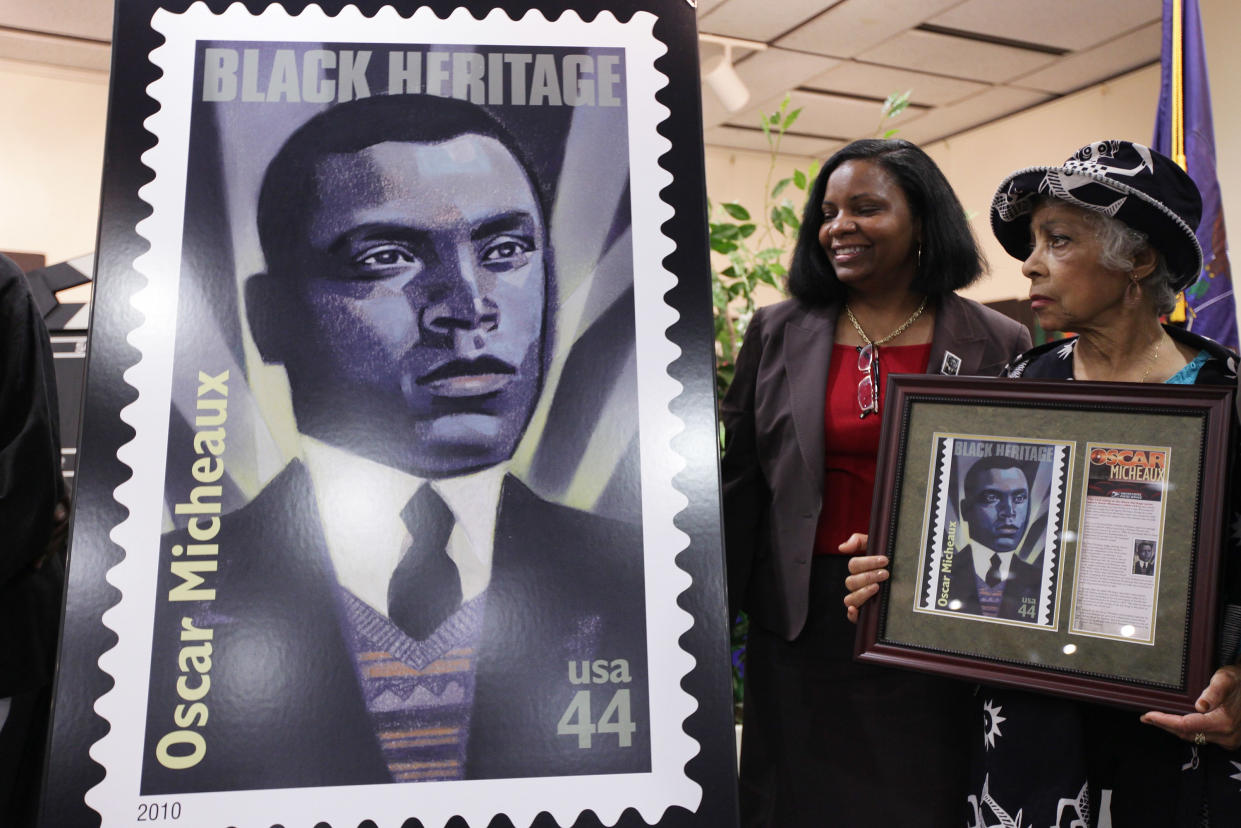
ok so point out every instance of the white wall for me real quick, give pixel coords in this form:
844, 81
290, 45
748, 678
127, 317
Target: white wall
51, 158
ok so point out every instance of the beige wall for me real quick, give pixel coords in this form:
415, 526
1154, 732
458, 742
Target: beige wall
51, 157
976, 161
52, 153
741, 176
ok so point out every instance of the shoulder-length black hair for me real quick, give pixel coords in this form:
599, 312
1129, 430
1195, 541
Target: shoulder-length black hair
950, 257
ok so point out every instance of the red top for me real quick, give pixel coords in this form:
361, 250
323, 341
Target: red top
853, 442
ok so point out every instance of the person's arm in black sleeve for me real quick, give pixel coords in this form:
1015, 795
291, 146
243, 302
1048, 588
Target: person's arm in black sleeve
30, 478
746, 495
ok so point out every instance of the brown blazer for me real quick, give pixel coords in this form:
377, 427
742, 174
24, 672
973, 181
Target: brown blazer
774, 449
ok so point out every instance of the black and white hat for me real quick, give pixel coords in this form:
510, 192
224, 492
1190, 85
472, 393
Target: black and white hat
1132, 183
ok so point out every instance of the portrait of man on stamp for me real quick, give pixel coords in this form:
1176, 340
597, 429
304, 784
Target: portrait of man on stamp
993, 529
395, 606
996, 510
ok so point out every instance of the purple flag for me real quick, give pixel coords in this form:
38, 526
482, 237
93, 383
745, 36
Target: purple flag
1210, 298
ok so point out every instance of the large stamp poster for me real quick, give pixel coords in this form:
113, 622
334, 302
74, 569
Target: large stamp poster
400, 540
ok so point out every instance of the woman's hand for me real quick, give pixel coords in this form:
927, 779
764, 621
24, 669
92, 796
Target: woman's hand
865, 574
1218, 719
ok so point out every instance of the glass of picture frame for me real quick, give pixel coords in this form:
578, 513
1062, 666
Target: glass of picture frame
1055, 536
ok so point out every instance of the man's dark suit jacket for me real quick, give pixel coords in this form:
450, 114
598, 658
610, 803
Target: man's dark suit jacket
1023, 582
31, 575
774, 457
285, 709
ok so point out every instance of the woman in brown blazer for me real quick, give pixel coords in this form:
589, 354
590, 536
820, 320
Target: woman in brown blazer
883, 244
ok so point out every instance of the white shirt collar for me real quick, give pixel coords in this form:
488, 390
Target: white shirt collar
360, 503
982, 559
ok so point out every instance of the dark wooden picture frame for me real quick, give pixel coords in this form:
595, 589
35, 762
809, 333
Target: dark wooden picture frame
1166, 673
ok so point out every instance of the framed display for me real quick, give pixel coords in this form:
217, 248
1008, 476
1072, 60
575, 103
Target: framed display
397, 499
1055, 536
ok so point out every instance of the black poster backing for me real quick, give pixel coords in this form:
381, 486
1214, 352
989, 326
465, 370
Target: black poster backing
668, 776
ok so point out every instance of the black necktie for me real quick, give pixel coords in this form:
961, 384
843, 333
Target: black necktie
993, 574
425, 587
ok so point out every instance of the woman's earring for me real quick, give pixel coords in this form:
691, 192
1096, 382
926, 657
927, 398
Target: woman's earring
1133, 291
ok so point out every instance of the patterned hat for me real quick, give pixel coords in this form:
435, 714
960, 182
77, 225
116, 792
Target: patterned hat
1142, 188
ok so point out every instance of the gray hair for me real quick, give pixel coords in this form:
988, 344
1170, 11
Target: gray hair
1119, 248
1120, 245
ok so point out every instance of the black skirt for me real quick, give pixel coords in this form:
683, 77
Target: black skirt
831, 742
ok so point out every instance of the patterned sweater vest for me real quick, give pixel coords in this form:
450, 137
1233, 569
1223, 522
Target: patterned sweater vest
419, 693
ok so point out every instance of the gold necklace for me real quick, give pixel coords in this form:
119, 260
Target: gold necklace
1154, 358
858, 327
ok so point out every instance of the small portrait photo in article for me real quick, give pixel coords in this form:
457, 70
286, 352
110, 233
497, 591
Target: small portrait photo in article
1144, 557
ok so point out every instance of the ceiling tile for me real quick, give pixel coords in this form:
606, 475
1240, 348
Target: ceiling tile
834, 116
57, 51
752, 139
853, 78
91, 19
854, 26
957, 56
1065, 24
760, 19
706, 6
1082, 69
980, 109
750, 116
767, 75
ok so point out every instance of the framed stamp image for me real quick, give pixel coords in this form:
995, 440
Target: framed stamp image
397, 501
1055, 536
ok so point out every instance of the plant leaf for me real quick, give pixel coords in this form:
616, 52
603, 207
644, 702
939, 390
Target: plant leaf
896, 103
788, 216
736, 211
799, 179
779, 188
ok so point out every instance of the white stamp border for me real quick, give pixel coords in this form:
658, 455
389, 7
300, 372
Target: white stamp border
124, 706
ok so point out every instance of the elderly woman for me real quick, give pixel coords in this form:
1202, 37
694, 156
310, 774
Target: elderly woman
883, 245
1106, 240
